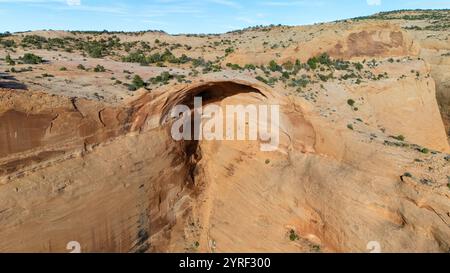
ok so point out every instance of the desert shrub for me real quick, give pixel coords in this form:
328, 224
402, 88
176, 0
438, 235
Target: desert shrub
351, 102
8, 43
358, 66
99, 68
184, 59
302, 82
250, 67
163, 78
288, 65
131, 87
95, 49
350, 126
167, 56
324, 59
234, 66
274, 67
341, 65
325, 78
407, 175
210, 67
399, 138
198, 62
349, 76
312, 63
138, 82
135, 57
9, 60
63, 69
261, 79
81, 67
35, 40
30, 58
229, 50
5, 34
293, 236
285, 75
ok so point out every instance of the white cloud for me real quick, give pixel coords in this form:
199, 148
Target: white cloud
373, 2
74, 2
227, 3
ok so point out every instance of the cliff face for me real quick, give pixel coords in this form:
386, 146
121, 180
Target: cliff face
348, 40
123, 184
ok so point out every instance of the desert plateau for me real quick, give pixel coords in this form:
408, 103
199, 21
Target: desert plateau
86, 152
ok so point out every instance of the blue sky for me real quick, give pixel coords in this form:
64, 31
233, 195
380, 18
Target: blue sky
189, 16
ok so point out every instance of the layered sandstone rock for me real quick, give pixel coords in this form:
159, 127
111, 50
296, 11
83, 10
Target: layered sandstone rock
82, 159
121, 183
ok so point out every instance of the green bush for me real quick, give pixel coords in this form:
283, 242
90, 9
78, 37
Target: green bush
407, 175
9, 60
312, 63
99, 68
325, 78
34, 40
229, 50
261, 79
8, 43
30, 58
324, 59
250, 67
274, 67
138, 82
399, 138
288, 65
234, 66
351, 102
95, 49
358, 66
163, 78
293, 236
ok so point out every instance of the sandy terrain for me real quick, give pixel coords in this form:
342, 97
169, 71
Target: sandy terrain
86, 153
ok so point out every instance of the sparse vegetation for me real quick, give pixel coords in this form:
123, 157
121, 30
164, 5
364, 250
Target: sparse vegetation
399, 137
99, 68
9, 60
293, 236
138, 82
408, 175
30, 58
